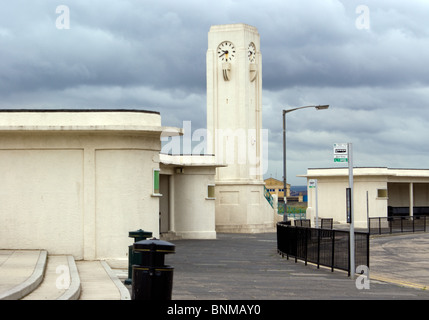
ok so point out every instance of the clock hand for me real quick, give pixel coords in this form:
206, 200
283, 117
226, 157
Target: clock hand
224, 52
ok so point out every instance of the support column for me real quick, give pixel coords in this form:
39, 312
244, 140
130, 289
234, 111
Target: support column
89, 244
171, 205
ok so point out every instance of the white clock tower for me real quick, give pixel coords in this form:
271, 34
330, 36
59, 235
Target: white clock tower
234, 123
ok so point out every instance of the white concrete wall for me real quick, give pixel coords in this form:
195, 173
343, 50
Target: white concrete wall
405, 188
191, 212
243, 209
123, 197
332, 199
77, 189
41, 200
194, 213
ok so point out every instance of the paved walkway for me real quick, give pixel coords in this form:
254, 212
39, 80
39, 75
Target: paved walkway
401, 259
245, 266
234, 267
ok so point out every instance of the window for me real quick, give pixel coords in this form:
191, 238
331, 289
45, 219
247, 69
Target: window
381, 193
211, 192
155, 191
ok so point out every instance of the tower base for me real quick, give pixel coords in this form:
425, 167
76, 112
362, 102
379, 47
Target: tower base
242, 208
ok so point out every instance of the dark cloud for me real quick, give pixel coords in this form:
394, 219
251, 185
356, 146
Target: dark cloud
151, 55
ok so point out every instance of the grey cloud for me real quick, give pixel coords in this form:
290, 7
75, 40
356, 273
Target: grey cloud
151, 55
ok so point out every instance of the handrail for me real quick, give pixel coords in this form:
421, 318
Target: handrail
269, 197
398, 224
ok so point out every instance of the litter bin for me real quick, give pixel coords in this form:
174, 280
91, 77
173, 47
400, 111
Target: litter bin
152, 279
134, 258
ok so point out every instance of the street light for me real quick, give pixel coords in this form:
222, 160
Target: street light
322, 107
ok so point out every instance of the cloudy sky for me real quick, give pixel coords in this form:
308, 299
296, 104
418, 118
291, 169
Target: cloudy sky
368, 60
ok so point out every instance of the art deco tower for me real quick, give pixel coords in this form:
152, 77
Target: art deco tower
234, 123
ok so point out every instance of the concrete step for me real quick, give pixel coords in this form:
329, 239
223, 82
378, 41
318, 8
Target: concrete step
35, 275
100, 282
21, 271
170, 236
60, 281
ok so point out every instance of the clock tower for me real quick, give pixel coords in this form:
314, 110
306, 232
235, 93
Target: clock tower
234, 125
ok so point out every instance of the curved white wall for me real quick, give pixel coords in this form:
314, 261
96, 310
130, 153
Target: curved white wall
78, 189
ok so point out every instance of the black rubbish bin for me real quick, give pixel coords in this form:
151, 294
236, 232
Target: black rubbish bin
152, 279
134, 258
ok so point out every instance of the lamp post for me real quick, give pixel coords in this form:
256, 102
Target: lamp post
322, 107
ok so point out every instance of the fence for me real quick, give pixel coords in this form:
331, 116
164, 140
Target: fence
323, 247
303, 223
292, 212
269, 197
389, 225
325, 223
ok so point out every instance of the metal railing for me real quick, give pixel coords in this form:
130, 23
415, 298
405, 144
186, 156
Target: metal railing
389, 225
325, 223
303, 223
269, 197
292, 212
323, 247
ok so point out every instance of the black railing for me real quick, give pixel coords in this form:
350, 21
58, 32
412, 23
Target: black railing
323, 247
389, 225
302, 223
326, 223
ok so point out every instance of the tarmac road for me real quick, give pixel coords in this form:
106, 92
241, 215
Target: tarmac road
247, 267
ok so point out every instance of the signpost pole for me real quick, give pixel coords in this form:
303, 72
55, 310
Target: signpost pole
313, 185
343, 152
317, 207
352, 229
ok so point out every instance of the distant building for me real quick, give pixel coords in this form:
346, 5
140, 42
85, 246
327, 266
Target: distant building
378, 192
276, 187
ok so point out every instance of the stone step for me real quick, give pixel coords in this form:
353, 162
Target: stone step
35, 275
60, 281
21, 271
100, 282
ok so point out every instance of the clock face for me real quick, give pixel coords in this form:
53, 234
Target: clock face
251, 52
226, 51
